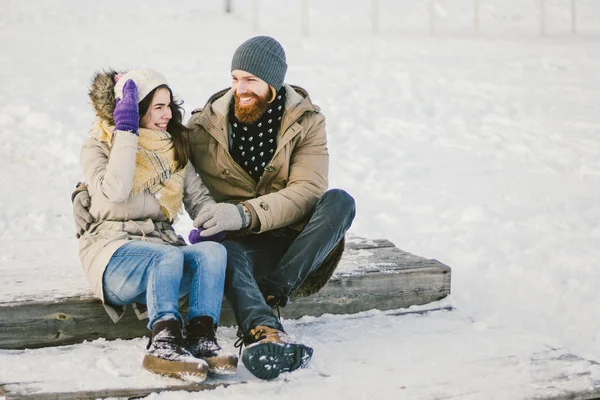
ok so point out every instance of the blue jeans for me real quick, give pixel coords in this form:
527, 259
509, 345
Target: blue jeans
159, 274
282, 259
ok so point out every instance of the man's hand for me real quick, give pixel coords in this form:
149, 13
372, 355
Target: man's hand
81, 205
219, 217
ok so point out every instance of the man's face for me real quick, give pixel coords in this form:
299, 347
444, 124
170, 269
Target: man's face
251, 95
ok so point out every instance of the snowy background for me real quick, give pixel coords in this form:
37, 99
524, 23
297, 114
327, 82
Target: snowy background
480, 151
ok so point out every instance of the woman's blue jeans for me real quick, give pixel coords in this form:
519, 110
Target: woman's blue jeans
159, 274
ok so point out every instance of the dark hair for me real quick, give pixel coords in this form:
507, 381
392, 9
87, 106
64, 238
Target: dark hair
175, 127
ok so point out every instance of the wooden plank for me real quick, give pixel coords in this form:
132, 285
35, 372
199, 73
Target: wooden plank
386, 278
20, 392
380, 290
356, 243
25, 325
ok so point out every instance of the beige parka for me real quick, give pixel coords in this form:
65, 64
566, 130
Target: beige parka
120, 216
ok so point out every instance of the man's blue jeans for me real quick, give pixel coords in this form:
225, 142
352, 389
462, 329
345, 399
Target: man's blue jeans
158, 275
282, 258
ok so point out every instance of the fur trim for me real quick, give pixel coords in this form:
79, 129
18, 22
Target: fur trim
102, 94
315, 281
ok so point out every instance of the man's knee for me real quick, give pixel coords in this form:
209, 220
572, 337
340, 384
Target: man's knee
340, 201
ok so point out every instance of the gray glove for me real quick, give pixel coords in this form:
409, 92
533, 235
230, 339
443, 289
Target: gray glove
220, 217
81, 205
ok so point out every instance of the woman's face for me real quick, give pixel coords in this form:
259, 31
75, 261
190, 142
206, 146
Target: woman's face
159, 113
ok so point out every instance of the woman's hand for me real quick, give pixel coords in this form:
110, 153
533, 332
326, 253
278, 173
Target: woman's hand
127, 114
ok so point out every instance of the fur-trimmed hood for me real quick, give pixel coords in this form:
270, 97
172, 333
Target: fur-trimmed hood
102, 94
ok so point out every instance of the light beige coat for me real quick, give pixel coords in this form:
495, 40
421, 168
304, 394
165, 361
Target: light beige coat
121, 216
294, 180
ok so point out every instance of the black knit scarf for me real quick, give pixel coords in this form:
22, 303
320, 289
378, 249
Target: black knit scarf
253, 145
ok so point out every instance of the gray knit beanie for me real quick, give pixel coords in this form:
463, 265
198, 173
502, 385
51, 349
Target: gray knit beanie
263, 57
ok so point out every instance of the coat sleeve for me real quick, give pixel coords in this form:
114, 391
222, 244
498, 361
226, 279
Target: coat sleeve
308, 180
195, 192
110, 172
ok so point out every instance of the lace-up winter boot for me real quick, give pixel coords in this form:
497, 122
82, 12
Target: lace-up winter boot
166, 354
269, 352
200, 336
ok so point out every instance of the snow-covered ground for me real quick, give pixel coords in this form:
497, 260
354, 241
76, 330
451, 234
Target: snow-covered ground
481, 152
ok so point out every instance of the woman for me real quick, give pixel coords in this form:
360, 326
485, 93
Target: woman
136, 167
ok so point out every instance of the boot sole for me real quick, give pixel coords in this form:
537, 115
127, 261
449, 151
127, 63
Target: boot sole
187, 371
268, 360
222, 365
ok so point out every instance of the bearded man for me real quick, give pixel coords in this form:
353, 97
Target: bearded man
261, 149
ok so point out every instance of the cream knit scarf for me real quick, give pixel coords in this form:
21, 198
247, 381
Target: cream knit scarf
154, 166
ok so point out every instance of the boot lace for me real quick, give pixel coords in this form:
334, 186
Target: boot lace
274, 303
239, 343
244, 340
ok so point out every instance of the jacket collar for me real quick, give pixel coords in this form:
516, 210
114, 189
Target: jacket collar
214, 114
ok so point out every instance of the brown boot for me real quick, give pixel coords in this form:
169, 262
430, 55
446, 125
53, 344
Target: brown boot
166, 354
200, 336
269, 352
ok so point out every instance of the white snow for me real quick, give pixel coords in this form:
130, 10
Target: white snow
479, 151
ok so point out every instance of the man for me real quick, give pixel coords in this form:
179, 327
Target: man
261, 149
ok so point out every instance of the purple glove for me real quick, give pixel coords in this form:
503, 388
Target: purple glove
195, 237
127, 114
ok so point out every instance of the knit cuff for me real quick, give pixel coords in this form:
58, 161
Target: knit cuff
244, 215
254, 221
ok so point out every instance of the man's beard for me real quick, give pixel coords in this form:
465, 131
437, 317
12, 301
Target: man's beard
250, 114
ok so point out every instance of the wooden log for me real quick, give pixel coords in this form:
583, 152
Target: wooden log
17, 392
388, 278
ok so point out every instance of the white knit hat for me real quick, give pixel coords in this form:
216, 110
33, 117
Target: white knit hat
146, 81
